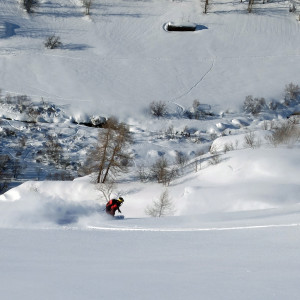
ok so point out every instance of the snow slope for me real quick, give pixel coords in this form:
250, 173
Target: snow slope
235, 236
235, 231
121, 56
237, 264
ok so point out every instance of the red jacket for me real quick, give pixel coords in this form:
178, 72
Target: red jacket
112, 206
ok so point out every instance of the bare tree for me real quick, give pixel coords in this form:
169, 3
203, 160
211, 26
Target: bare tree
198, 161
181, 159
54, 149
162, 207
162, 172
250, 6
206, 6
254, 105
143, 173
87, 4
106, 189
110, 156
158, 109
215, 156
292, 91
251, 141
17, 168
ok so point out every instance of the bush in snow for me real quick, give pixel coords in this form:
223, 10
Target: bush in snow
162, 172
215, 157
158, 109
292, 8
5, 174
29, 5
162, 207
143, 173
53, 149
254, 105
292, 92
87, 4
181, 159
287, 133
53, 42
228, 147
251, 141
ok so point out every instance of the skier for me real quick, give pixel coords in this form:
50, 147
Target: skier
113, 205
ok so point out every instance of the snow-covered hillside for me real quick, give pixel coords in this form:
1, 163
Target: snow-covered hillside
121, 56
235, 228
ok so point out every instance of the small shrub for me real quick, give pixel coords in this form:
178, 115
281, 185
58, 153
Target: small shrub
53, 42
286, 133
87, 4
292, 91
254, 105
170, 132
29, 5
162, 207
292, 8
228, 147
143, 173
251, 141
158, 109
162, 172
181, 159
215, 158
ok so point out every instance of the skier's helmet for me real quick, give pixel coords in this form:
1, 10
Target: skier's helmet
121, 199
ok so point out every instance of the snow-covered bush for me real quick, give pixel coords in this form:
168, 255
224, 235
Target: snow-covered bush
228, 147
254, 105
198, 110
181, 159
143, 173
251, 141
162, 172
287, 133
162, 207
29, 5
292, 91
158, 109
215, 156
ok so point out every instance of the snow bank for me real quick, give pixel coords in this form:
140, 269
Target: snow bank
249, 179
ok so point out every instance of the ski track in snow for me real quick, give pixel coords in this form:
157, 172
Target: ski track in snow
197, 83
192, 229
